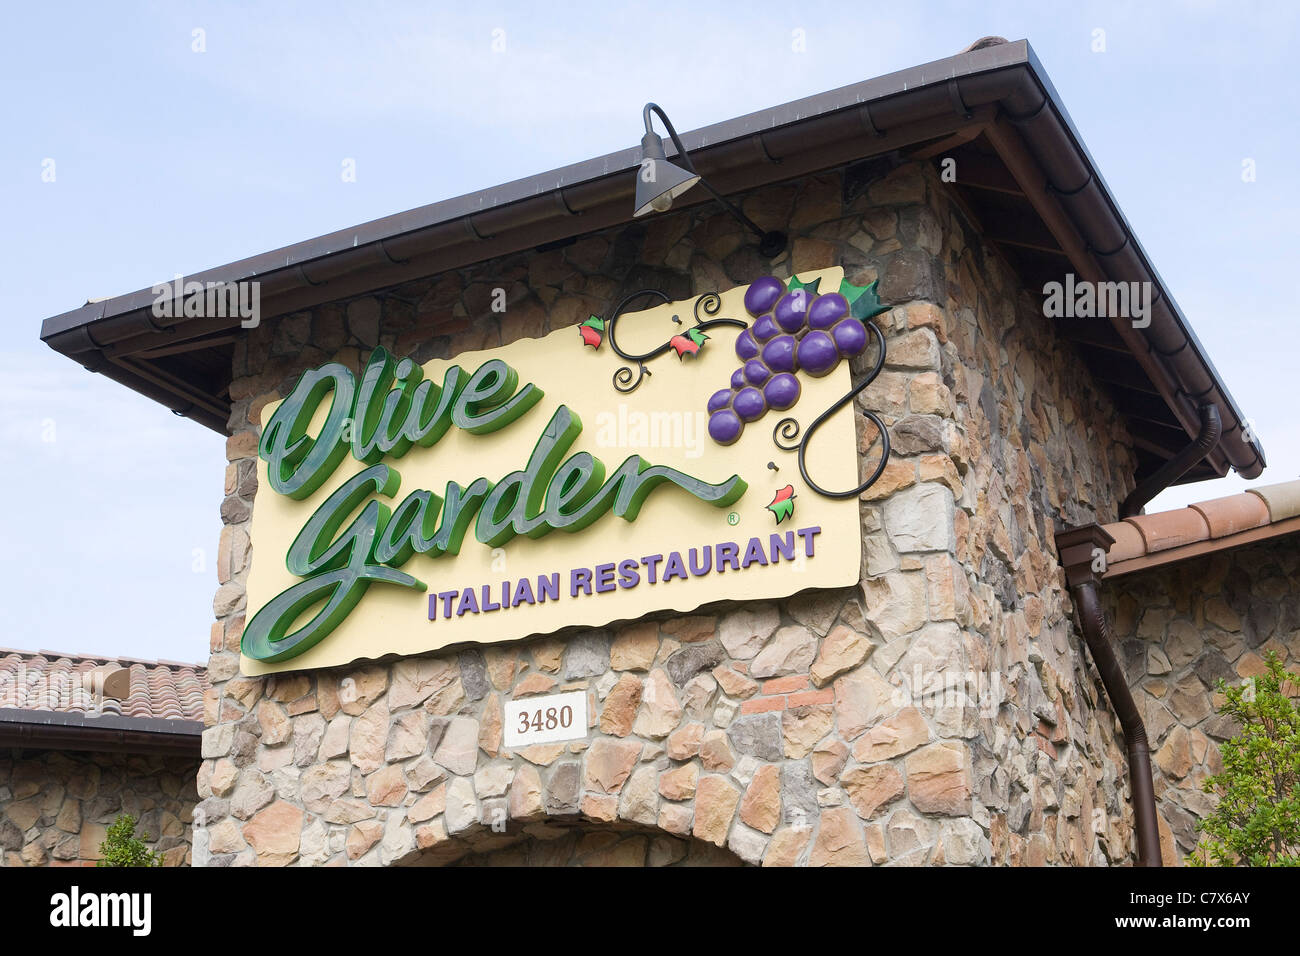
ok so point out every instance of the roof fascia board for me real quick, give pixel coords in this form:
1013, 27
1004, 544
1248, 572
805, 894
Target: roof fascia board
1049, 90
56, 718
1196, 549
906, 95
47, 730
564, 178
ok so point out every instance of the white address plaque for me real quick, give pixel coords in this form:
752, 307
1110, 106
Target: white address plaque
545, 720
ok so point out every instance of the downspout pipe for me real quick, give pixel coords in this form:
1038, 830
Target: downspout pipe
1176, 467
1080, 550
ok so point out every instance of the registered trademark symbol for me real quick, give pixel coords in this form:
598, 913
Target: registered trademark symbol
733, 518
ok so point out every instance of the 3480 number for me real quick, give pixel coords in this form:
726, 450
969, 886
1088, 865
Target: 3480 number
548, 719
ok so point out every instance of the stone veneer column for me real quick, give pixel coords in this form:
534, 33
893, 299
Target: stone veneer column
836, 727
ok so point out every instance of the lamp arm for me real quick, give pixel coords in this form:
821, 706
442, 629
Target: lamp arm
685, 157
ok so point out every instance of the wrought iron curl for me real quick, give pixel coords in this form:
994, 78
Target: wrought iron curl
786, 431
625, 380
785, 434
711, 303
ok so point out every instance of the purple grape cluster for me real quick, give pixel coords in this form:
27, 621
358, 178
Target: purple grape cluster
792, 332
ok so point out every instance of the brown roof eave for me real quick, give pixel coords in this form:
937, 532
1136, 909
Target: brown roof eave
818, 132
51, 730
1196, 549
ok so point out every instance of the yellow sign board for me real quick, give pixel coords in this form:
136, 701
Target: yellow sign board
595, 505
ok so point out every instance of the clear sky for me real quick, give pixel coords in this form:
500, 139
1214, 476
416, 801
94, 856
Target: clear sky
168, 159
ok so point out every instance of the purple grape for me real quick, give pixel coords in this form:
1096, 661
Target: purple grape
850, 337
764, 328
725, 426
782, 392
756, 373
827, 310
746, 347
791, 310
817, 353
761, 294
738, 378
720, 399
749, 404
779, 354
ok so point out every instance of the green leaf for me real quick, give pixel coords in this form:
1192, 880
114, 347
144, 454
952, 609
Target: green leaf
782, 504
795, 283
1256, 821
595, 322
863, 301
696, 336
121, 847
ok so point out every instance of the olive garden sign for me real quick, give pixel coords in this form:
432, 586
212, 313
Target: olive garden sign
547, 483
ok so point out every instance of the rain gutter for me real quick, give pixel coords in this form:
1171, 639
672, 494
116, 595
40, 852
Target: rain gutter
1176, 467
1001, 88
55, 730
1078, 548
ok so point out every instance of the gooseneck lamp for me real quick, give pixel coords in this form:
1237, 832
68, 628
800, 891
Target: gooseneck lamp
659, 182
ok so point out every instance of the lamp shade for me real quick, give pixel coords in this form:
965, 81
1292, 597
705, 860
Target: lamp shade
658, 183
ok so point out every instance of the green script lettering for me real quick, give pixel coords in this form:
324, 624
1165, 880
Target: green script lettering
387, 425
339, 563
337, 571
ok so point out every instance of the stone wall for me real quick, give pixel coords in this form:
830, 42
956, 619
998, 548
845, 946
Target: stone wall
802, 731
1182, 628
1036, 446
55, 806
604, 845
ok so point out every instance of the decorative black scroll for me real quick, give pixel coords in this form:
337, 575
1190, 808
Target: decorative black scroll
709, 303
786, 431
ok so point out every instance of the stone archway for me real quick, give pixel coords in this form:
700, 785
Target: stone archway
577, 843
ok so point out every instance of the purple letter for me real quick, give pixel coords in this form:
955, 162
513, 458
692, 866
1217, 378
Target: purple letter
447, 597
579, 578
628, 575
728, 552
651, 562
808, 534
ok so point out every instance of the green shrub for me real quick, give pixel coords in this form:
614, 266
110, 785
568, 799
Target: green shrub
1257, 821
121, 847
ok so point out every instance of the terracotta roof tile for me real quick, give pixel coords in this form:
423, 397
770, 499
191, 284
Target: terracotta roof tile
1204, 521
1283, 500
49, 680
1128, 542
1233, 514
1171, 529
